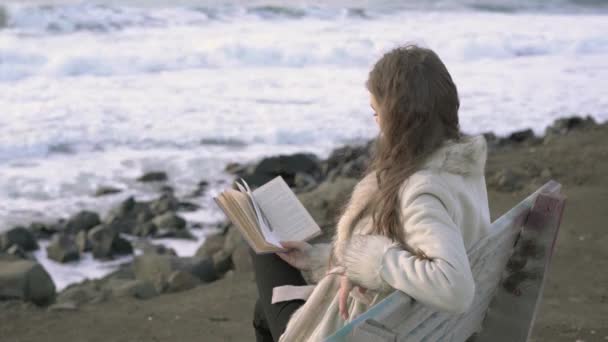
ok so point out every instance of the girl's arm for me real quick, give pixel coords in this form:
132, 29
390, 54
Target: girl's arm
442, 279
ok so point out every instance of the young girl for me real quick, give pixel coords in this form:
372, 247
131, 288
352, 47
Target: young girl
408, 223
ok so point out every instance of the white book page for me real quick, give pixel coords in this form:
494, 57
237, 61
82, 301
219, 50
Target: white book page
265, 227
287, 216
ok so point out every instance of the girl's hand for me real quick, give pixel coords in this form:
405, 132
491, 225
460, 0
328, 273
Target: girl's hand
345, 287
298, 254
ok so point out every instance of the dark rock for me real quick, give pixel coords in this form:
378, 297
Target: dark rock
145, 229
106, 243
285, 166
200, 190
149, 248
19, 236
347, 161
62, 248
181, 281
521, 136
127, 215
171, 225
17, 251
157, 268
106, 190
188, 206
26, 280
222, 262
565, 125
166, 203
41, 230
84, 220
153, 176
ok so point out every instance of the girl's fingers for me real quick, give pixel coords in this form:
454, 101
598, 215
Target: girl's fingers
345, 287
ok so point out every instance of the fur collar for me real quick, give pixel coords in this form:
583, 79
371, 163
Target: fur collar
467, 157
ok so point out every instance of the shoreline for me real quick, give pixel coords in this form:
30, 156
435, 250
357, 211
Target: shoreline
570, 151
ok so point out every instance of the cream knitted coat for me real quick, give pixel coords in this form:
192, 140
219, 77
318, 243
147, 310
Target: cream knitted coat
445, 210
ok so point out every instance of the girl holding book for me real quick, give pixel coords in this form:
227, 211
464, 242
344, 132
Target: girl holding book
421, 203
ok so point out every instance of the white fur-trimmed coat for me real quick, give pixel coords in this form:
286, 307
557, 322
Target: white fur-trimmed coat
445, 210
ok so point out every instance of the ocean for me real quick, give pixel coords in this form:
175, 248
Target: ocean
95, 93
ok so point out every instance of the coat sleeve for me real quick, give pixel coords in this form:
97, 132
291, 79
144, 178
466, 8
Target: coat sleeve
441, 279
318, 256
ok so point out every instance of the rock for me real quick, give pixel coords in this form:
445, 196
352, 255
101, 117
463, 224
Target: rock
157, 269
106, 190
169, 221
181, 281
212, 244
241, 259
125, 217
200, 190
171, 225
26, 280
325, 201
564, 125
62, 248
148, 248
284, 165
84, 220
232, 240
347, 161
82, 241
18, 236
17, 251
106, 243
188, 206
153, 176
133, 288
145, 229
41, 230
166, 202
222, 262
81, 293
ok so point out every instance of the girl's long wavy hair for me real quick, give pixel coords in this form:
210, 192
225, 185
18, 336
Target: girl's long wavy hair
418, 110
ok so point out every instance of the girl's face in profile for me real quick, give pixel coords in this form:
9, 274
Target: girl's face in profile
375, 107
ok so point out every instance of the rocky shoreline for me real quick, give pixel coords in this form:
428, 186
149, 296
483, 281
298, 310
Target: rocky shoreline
321, 185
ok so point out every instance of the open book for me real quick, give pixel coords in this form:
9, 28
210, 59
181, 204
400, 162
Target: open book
267, 215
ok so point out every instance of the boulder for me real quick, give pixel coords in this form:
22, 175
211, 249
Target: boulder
165, 203
19, 236
564, 125
181, 281
84, 220
157, 269
284, 165
82, 241
126, 216
26, 280
132, 288
212, 244
153, 176
42, 230
106, 190
106, 243
62, 248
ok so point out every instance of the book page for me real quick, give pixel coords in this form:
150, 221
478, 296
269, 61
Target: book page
285, 213
262, 222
